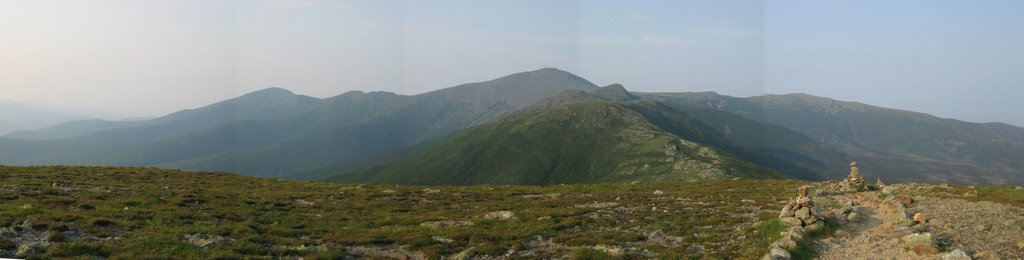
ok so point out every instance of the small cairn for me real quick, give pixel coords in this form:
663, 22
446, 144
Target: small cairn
801, 211
854, 182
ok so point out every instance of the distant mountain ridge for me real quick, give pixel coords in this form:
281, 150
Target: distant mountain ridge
274, 132
895, 144
16, 116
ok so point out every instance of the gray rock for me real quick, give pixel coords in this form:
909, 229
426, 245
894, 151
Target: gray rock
658, 192
920, 243
777, 253
889, 189
787, 211
791, 221
32, 249
445, 224
695, 249
204, 240
804, 213
956, 255
814, 225
853, 217
464, 255
443, 240
785, 242
901, 211
796, 235
501, 215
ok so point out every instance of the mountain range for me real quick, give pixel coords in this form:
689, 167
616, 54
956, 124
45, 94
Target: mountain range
538, 127
16, 116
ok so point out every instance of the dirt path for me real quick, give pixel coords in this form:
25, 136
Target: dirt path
984, 230
874, 234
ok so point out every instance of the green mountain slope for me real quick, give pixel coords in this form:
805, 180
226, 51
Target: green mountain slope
890, 144
574, 143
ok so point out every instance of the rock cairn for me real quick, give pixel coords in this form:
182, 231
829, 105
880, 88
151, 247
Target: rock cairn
854, 182
801, 211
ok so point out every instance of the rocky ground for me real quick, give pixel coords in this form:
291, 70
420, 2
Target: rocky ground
932, 224
143, 213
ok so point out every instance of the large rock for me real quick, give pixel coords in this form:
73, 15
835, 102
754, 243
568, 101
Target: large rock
205, 240
445, 224
919, 217
777, 253
795, 233
804, 213
956, 255
501, 215
791, 221
920, 243
902, 212
814, 225
787, 211
904, 199
785, 242
853, 217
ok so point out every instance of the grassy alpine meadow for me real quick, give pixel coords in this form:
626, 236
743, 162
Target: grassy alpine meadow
130, 213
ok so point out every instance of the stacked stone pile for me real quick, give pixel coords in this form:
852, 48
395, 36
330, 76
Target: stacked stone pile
854, 182
801, 211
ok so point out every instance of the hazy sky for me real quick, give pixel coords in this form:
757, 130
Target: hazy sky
959, 59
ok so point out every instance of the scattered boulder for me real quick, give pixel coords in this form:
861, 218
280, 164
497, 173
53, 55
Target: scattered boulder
971, 194
658, 192
695, 249
501, 215
794, 232
902, 211
889, 189
610, 250
987, 255
445, 224
430, 191
598, 205
815, 226
205, 240
32, 249
777, 253
920, 243
787, 211
786, 242
792, 221
853, 217
904, 199
443, 240
956, 255
919, 217
663, 239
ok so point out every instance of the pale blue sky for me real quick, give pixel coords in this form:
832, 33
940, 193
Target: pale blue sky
957, 59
